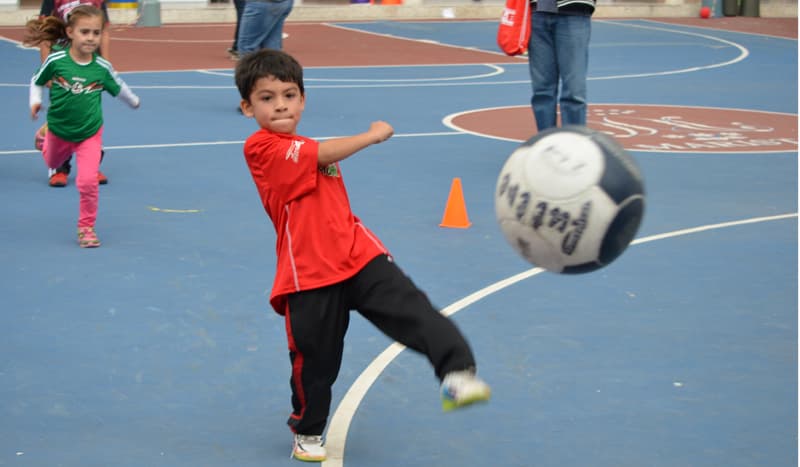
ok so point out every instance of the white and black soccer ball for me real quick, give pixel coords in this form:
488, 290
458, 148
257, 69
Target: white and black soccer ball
570, 200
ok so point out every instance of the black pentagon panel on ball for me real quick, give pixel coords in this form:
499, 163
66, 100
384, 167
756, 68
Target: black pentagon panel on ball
582, 268
622, 178
622, 230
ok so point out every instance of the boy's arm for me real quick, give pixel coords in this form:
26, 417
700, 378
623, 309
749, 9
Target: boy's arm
337, 149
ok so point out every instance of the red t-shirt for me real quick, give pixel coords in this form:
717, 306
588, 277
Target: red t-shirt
319, 240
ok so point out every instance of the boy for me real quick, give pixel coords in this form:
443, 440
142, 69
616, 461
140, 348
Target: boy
328, 262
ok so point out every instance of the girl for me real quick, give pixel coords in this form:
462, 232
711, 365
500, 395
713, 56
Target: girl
61, 9
75, 118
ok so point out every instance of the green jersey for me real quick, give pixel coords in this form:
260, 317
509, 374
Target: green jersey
76, 111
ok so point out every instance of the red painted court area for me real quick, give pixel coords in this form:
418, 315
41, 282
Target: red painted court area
674, 129
202, 46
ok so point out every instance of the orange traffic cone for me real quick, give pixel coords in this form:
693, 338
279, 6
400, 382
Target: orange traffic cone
455, 213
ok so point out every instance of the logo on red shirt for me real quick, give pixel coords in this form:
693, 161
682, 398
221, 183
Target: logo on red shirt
294, 152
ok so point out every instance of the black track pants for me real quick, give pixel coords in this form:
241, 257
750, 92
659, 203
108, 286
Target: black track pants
317, 320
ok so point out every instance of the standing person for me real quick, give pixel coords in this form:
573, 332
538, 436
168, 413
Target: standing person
558, 50
61, 8
262, 25
328, 262
233, 51
78, 76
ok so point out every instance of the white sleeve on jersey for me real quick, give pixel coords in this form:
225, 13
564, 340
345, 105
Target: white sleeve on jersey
36, 92
128, 96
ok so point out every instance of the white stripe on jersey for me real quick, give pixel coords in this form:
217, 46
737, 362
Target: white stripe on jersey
50, 58
107, 65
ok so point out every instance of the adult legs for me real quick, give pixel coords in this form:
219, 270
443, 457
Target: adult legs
544, 69
262, 25
239, 6
572, 51
279, 11
251, 29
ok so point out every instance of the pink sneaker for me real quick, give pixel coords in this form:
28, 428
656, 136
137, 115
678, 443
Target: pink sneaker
87, 238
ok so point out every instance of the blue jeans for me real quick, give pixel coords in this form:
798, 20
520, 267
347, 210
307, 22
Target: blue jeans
262, 25
559, 50
239, 5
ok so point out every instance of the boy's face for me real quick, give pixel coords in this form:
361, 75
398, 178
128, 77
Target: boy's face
276, 105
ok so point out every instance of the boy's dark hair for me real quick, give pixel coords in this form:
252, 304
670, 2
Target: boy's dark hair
264, 63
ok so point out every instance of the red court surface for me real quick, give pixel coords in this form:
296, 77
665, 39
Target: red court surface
202, 46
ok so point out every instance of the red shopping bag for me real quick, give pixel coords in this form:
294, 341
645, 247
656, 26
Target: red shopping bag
515, 27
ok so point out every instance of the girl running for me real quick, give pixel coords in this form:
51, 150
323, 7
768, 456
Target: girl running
75, 117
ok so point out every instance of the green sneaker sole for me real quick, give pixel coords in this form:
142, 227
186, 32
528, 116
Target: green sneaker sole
448, 405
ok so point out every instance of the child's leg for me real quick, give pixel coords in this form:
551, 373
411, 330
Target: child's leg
384, 295
55, 150
316, 323
87, 155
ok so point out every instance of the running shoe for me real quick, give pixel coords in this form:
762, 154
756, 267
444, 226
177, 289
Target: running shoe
87, 238
463, 388
308, 448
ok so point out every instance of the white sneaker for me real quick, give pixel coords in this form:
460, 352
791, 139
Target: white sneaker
462, 388
308, 448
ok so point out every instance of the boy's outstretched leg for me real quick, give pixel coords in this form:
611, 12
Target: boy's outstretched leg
392, 302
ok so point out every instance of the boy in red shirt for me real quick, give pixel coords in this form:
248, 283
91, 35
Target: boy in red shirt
328, 262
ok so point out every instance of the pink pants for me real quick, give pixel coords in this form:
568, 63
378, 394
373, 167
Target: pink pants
87, 155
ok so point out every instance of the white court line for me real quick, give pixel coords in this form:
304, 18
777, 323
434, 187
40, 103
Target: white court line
224, 143
411, 39
743, 54
496, 70
340, 422
710, 29
173, 41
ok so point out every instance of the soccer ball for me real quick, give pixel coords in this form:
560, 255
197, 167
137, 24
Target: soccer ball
570, 200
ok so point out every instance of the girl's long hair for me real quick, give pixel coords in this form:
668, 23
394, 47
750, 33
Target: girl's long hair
52, 28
